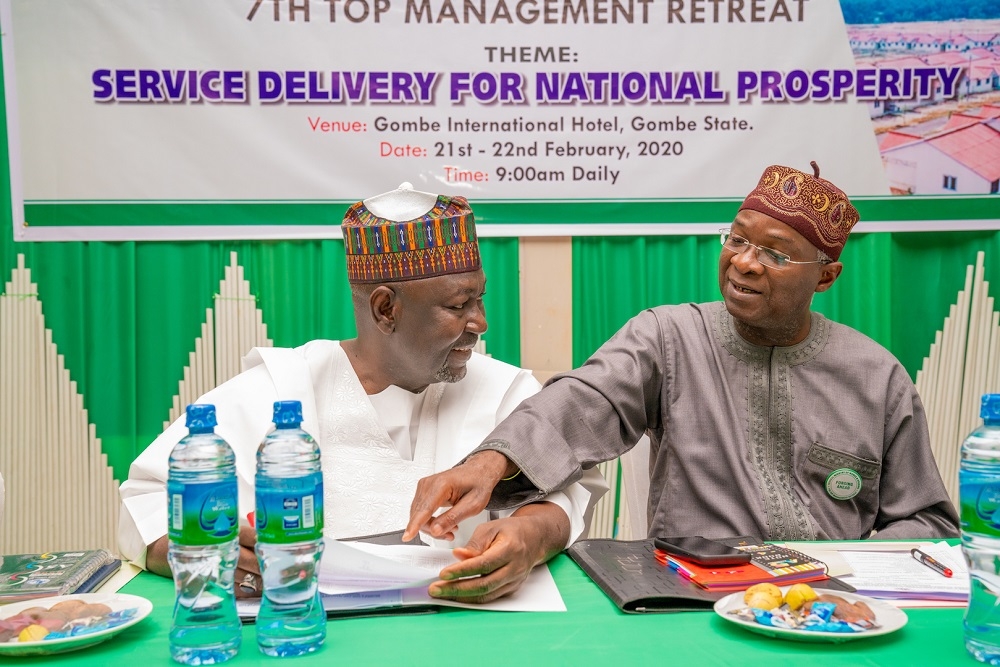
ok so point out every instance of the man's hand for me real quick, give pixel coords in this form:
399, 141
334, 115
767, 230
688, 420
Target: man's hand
156, 557
157, 563
249, 583
500, 554
464, 490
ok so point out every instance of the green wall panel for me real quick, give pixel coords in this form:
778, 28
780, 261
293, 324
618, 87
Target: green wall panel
616, 277
582, 211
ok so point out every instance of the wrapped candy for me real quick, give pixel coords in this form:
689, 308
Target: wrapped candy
825, 613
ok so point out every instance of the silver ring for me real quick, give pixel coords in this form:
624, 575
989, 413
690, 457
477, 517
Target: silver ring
249, 583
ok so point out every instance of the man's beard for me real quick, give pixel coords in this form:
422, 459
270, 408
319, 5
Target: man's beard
445, 374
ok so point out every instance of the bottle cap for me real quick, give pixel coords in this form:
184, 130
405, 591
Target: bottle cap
287, 414
201, 417
990, 409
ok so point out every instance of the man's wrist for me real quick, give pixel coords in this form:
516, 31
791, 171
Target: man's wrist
493, 464
549, 525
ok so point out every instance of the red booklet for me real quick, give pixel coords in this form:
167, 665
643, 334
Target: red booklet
769, 563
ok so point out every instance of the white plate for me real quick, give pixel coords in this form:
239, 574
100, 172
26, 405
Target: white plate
118, 602
889, 619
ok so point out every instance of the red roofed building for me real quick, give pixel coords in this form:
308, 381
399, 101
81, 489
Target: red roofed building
894, 138
981, 76
927, 44
950, 58
961, 43
962, 158
957, 120
903, 62
982, 53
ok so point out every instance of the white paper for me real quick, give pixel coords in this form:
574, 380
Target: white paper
837, 565
899, 575
352, 567
124, 575
357, 575
910, 603
537, 593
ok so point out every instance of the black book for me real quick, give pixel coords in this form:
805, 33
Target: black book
629, 573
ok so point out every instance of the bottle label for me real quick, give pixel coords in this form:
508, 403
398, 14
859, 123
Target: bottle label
202, 513
980, 504
289, 509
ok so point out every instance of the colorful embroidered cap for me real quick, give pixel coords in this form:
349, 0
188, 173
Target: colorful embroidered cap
441, 241
812, 206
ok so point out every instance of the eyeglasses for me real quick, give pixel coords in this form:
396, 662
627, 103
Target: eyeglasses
766, 256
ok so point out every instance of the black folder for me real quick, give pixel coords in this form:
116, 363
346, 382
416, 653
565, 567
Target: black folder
629, 574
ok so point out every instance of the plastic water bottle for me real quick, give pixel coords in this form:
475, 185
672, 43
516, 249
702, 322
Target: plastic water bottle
979, 482
289, 520
203, 534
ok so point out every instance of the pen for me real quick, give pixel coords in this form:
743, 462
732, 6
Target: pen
930, 562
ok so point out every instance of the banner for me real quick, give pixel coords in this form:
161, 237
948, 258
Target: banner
266, 118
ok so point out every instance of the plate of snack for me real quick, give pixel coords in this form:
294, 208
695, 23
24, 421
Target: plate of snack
802, 613
67, 622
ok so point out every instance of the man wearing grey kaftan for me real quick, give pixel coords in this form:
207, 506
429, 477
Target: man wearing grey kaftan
764, 418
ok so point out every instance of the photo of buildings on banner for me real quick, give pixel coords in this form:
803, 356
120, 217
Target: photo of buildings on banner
937, 145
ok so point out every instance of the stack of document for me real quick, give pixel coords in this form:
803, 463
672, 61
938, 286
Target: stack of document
355, 577
898, 576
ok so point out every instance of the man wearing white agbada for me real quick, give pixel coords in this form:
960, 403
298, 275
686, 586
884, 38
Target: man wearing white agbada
405, 399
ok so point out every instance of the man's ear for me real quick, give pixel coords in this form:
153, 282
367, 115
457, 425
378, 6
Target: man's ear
829, 275
383, 304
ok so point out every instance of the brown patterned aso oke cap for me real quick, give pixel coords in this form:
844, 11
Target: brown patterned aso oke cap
812, 206
439, 242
